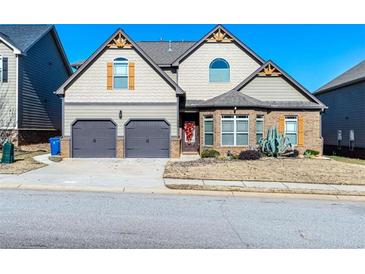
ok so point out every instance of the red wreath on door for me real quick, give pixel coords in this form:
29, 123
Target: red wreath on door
189, 129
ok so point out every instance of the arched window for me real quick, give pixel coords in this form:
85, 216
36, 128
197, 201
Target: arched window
219, 71
120, 73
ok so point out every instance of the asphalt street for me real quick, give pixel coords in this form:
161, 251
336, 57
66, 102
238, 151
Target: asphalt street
34, 219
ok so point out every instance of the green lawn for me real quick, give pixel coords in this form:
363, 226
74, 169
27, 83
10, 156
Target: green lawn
348, 160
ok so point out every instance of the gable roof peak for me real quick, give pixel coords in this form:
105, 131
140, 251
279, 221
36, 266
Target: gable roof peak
219, 34
119, 39
270, 69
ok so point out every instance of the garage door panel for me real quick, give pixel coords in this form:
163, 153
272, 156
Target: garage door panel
94, 139
147, 139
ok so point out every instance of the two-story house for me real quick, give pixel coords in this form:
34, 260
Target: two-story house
33, 65
164, 99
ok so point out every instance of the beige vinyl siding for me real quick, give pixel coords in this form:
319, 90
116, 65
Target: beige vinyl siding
272, 89
346, 111
91, 85
8, 90
111, 111
194, 71
171, 73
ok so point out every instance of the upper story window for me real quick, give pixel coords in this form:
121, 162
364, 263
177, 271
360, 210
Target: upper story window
219, 71
1, 69
120, 73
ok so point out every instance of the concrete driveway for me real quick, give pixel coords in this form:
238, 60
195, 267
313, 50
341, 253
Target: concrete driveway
116, 173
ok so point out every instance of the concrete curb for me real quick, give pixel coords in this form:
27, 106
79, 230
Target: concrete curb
191, 190
334, 192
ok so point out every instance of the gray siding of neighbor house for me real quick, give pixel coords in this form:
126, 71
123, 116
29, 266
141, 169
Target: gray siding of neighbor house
8, 90
346, 111
272, 89
193, 74
41, 72
129, 111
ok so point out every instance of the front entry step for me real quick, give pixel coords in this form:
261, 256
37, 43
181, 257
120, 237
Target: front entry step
190, 153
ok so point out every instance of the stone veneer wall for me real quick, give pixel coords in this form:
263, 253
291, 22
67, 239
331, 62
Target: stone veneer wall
312, 128
174, 147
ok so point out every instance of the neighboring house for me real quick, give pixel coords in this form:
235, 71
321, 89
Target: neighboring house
33, 65
343, 124
162, 99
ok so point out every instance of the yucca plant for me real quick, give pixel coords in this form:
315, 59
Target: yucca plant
274, 144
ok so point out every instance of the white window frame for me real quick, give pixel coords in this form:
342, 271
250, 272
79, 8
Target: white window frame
208, 118
114, 75
291, 118
260, 118
235, 118
1, 68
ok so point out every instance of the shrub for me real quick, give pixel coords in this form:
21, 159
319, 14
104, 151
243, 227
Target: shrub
209, 153
249, 155
295, 153
274, 144
310, 152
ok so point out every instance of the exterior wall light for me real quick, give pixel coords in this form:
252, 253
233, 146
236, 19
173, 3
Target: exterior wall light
120, 114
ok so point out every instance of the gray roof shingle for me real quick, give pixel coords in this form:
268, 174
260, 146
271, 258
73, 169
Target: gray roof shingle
352, 75
232, 98
160, 53
236, 98
23, 36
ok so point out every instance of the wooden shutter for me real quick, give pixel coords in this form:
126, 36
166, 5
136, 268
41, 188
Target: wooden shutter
281, 124
300, 130
5, 70
109, 76
131, 74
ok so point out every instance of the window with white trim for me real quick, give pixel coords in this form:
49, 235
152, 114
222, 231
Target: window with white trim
208, 130
120, 73
1, 69
291, 129
259, 127
234, 130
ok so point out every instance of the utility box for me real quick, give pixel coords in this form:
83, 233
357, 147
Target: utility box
8, 153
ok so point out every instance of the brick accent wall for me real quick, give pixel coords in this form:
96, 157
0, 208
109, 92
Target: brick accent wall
120, 147
312, 128
65, 147
175, 147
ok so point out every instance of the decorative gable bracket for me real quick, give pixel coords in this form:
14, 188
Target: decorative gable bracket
119, 42
219, 36
269, 70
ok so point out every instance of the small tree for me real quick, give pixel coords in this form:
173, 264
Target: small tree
7, 114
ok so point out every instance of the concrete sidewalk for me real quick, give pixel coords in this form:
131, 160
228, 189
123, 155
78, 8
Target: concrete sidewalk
266, 187
146, 176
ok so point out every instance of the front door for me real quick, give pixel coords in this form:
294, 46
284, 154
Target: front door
190, 141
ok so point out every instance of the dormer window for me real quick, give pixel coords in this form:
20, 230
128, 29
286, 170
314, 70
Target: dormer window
219, 71
120, 73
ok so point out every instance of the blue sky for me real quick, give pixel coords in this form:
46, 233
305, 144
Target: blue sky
312, 54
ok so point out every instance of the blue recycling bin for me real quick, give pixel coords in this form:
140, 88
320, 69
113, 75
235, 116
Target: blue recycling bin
55, 146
